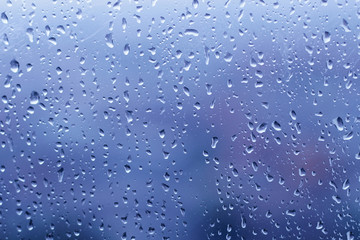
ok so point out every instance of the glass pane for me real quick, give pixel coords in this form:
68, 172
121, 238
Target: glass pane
184, 119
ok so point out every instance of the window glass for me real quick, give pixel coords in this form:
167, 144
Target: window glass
183, 119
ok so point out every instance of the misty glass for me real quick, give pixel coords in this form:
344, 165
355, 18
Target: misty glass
179, 119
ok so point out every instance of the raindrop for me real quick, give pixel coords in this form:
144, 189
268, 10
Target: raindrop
4, 18
228, 57
60, 173
339, 124
34, 98
346, 184
326, 37
261, 128
109, 40
162, 133
337, 199
14, 66
345, 25
302, 172
276, 126
291, 213
30, 34
191, 32
348, 136
214, 142
126, 49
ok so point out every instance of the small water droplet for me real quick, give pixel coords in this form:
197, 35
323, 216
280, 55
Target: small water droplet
276, 126
34, 98
339, 124
126, 49
109, 40
302, 172
228, 57
162, 133
214, 142
348, 136
326, 37
346, 184
4, 18
60, 174
30, 34
14, 66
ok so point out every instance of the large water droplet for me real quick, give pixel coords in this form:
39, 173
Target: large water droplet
34, 98
261, 128
192, 32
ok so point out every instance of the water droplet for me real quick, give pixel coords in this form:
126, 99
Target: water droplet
60, 174
4, 18
34, 98
129, 116
326, 37
348, 136
192, 32
339, 124
261, 128
228, 57
14, 66
30, 225
52, 40
346, 184
30, 34
329, 64
127, 168
109, 40
345, 25
276, 126
214, 142
302, 172
293, 115
291, 213
124, 24
162, 133
126, 49
337, 199
79, 13
350, 236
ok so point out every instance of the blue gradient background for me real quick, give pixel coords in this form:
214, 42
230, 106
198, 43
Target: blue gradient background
101, 111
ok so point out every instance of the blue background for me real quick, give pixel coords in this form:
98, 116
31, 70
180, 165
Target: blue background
155, 120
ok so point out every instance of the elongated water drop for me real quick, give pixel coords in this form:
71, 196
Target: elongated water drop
109, 40
4, 18
126, 49
326, 37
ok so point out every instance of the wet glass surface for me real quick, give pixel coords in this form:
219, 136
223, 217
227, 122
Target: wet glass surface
179, 119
